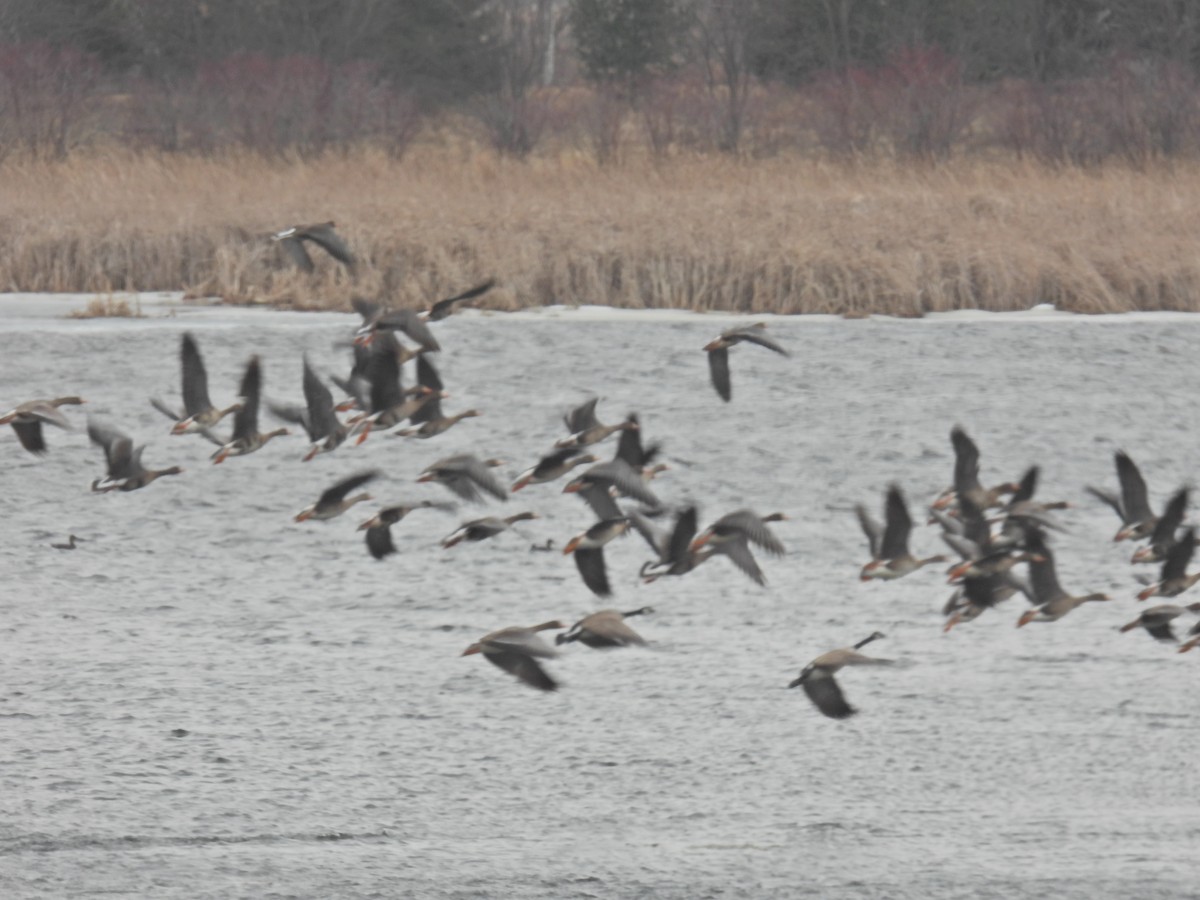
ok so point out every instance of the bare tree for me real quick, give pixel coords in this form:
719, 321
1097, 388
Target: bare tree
721, 30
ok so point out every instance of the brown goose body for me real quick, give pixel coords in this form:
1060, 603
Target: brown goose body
379, 527
466, 475
1175, 578
1052, 602
1157, 621
28, 418
125, 469
1132, 505
718, 354
517, 650
586, 429
323, 235
605, 629
552, 466
818, 682
246, 436
732, 534
889, 546
482, 529
337, 498
588, 549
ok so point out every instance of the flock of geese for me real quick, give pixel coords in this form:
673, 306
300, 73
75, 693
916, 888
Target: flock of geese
990, 530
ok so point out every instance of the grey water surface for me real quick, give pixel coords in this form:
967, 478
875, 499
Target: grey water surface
207, 699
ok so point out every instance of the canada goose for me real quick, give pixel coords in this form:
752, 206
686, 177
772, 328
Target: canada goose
553, 466
675, 553
1052, 602
27, 420
335, 500
379, 526
482, 529
125, 469
69, 545
1157, 621
322, 234
594, 484
516, 650
1174, 578
246, 436
465, 474
718, 354
588, 548
546, 547
1138, 520
198, 410
584, 428
966, 476
818, 682
1163, 538
890, 555
316, 417
732, 534
604, 630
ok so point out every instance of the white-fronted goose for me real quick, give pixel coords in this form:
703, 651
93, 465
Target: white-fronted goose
966, 476
379, 526
553, 466
979, 593
594, 485
443, 308
718, 354
892, 558
637, 456
517, 650
27, 419
1133, 506
1193, 639
818, 682
198, 410
1174, 578
482, 529
336, 500
246, 436
465, 474
605, 629
428, 417
322, 234
675, 553
1163, 538
1052, 601
388, 403
317, 417
125, 469
588, 548
584, 428
69, 545
377, 318
732, 534
1157, 621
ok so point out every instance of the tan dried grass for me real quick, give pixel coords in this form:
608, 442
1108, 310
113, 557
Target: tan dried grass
780, 235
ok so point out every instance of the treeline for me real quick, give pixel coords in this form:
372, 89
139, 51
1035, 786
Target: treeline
1063, 81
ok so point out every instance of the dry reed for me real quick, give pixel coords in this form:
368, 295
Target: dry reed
778, 235
109, 307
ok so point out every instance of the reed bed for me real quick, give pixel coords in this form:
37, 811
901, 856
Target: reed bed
705, 233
